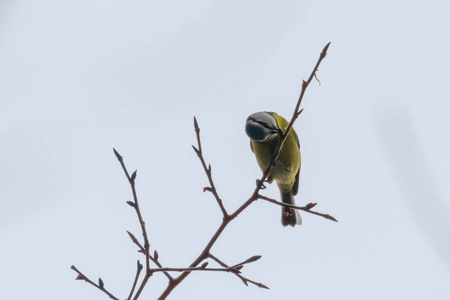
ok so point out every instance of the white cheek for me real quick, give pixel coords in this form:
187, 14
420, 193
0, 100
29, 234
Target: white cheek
270, 137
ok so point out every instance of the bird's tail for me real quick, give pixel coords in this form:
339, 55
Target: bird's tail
289, 216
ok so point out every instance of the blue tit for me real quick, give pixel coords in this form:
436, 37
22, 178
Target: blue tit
264, 129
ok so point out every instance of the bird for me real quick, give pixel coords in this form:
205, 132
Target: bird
264, 130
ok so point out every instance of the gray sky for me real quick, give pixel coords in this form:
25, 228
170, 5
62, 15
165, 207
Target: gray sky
80, 78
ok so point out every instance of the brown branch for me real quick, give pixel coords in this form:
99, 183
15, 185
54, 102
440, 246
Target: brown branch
100, 286
226, 217
305, 84
135, 205
154, 259
244, 279
134, 239
207, 170
205, 254
232, 269
306, 208
247, 261
156, 262
138, 272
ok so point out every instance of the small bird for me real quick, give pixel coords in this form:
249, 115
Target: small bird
264, 130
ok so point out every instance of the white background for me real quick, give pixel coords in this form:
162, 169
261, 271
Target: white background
78, 78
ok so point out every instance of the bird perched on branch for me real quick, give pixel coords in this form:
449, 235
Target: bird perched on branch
264, 130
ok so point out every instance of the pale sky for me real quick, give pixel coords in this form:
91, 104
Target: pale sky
80, 78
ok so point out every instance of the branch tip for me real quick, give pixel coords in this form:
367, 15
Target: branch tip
119, 157
324, 51
253, 258
197, 129
263, 286
332, 218
133, 238
155, 255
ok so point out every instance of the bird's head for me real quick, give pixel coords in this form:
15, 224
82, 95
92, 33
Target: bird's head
262, 127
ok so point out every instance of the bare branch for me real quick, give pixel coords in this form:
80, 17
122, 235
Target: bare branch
156, 262
212, 189
154, 259
247, 261
306, 208
132, 180
244, 279
134, 239
138, 272
228, 269
100, 286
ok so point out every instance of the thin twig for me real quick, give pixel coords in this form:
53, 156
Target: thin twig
212, 189
227, 269
156, 262
152, 258
203, 255
306, 208
100, 286
131, 180
244, 279
247, 261
138, 272
305, 84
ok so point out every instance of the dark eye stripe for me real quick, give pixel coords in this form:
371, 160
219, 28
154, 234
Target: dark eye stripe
263, 124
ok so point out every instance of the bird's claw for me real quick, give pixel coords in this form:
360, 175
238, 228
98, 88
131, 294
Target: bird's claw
277, 163
260, 184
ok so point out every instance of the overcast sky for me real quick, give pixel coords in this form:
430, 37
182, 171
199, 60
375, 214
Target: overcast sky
78, 78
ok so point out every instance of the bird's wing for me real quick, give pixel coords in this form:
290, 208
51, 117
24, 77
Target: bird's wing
297, 179
297, 176
296, 138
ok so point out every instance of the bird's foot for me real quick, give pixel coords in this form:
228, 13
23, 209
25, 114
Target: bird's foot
278, 163
260, 184
275, 164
